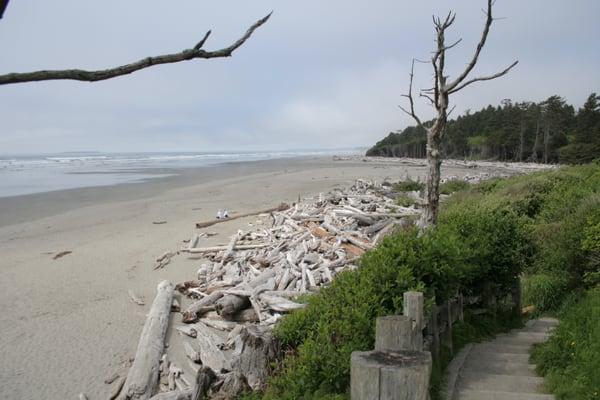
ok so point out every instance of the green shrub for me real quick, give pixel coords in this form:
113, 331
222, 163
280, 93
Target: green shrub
544, 291
454, 185
497, 243
570, 360
405, 200
408, 185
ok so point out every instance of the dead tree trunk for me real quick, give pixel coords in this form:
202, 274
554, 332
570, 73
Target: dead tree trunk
438, 96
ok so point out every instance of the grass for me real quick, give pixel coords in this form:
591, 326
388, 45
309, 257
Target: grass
405, 200
454, 185
570, 360
408, 185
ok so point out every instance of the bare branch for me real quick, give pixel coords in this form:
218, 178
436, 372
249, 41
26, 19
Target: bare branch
428, 97
450, 112
484, 78
3, 4
93, 76
201, 43
452, 45
471, 65
410, 98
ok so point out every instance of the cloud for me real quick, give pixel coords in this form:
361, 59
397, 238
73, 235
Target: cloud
318, 74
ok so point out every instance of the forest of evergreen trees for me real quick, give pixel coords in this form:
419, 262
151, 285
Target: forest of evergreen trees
550, 131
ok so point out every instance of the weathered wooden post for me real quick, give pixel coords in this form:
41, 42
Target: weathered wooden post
397, 369
413, 309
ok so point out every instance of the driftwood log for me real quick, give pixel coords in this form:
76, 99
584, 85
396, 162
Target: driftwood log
255, 351
231, 304
280, 207
204, 378
142, 378
173, 395
197, 308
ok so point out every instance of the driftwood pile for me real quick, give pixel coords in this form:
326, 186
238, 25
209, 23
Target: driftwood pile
243, 288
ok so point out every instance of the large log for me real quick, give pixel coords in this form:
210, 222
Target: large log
229, 305
280, 207
233, 385
204, 378
173, 395
143, 376
210, 353
215, 249
255, 351
200, 307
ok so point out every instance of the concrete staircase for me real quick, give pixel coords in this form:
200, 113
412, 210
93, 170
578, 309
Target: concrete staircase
500, 369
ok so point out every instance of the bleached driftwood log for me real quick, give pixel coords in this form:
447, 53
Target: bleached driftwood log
210, 353
231, 304
143, 376
280, 207
234, 383
173, 395
256, 349
204, 378
202, 306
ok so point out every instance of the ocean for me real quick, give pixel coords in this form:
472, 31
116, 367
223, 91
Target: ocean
39, 173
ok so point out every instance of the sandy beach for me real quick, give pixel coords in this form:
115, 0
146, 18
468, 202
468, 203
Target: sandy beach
68, 323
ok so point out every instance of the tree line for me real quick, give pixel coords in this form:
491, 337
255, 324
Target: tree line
550, 131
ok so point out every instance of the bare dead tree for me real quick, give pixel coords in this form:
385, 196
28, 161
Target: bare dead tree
92, 76
439, 96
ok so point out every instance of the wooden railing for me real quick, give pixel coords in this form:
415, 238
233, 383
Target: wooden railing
437, 331
405, 345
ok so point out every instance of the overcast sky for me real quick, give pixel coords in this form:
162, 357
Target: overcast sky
319, 74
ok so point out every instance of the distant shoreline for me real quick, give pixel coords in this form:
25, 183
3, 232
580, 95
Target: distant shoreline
29, 207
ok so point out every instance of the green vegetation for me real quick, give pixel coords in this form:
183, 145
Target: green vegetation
405, 200
408, 185
570, 360
454, 185
549, 131
544, 227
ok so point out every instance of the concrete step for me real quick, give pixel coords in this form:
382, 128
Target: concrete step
498, 382
499, 395
499, 367
492, 347
541, 324
479, 356
522, 338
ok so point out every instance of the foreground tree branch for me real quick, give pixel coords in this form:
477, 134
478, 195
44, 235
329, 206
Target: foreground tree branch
441, 92
100, 75
3, 4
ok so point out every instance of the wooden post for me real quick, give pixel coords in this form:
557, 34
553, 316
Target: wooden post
413, 309
397, 369
390, 376
394, 333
